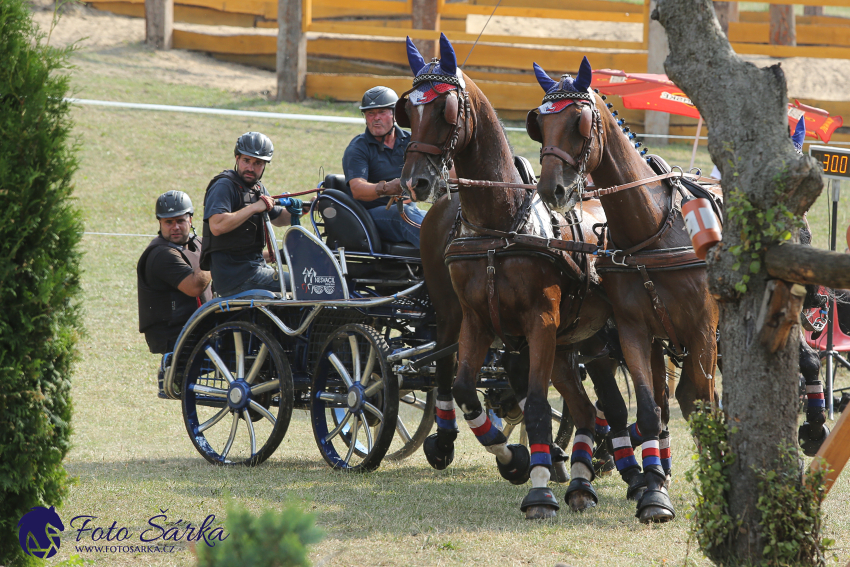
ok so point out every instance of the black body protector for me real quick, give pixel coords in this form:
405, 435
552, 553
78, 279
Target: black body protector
165, 308
249, 237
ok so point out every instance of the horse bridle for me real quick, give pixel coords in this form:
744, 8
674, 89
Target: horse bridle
589, 122
453, 116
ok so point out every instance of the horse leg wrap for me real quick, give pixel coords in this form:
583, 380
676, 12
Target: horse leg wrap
559, 466
624, 454
651, 455
517, 470
664, 452
484, 430
602, 427
815, 410
581, 460
445, 413
634, 434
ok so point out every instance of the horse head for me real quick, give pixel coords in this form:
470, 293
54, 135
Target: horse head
568, 126
437, 111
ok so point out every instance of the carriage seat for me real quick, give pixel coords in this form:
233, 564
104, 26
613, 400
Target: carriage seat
523, 166
348, 225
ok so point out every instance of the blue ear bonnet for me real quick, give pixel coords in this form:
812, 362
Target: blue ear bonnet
445, 69
567, 84
799, 134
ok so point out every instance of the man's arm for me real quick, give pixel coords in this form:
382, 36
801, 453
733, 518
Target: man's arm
283, 219
195, 283
362, 190
222, 223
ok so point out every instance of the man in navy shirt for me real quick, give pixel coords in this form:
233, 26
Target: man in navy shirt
234, 234
373, 162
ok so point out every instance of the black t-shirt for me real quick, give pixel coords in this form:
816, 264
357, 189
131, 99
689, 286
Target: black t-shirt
368, 158
230, 268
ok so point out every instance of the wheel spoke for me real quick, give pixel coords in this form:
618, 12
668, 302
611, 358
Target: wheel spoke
263, 411
343, 373
332, 398
414, 402
402, 430
219, 364
230, 439
258, 363
247, 417
339, 427
263, 387
374, 388
208, 391
213, 420
368, 429
355, 355
353, 441
508, 429
373, 410
370, 365
239, 351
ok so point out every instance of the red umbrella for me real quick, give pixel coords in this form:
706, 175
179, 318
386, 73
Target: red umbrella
647, 91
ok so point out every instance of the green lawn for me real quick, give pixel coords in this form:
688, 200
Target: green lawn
131, 455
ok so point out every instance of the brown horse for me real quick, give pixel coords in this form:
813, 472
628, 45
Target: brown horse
580, 136
509, 292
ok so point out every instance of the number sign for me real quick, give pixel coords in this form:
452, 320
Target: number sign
835, 161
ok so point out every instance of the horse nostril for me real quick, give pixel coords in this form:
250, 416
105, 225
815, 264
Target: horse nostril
421, 184
560, 192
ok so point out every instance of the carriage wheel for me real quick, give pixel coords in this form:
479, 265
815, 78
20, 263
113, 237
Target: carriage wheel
237, 395
355, 399
415, 410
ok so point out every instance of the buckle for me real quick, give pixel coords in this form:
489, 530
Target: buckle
614, 258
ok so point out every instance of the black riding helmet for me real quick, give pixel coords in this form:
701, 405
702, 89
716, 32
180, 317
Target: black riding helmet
173, 204
254, 144
378, 97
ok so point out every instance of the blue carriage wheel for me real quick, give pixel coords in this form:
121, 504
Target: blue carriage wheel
237, 394
416, 411
354, 399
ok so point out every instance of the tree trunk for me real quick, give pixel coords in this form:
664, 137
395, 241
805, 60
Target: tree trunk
291, 52
159, 23
783, 29
657, 123
425, 17
726, 12
748, 140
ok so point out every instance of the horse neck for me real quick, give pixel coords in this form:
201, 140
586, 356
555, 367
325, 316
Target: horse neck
634, 215
488, 157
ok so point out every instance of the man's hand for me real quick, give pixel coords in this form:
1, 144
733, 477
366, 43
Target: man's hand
269, 202
388, 188
295, 207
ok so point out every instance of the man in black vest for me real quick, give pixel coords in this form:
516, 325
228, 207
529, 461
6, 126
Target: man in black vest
234, 233
171, 283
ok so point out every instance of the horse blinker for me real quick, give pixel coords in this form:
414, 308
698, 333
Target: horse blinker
450, 113
585, 122
532, 127
401, 117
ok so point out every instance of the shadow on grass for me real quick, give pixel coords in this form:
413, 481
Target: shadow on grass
397, 500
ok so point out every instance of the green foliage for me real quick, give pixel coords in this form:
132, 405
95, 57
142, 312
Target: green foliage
40, 230
790, 508
274, 539
711, 522
759, 227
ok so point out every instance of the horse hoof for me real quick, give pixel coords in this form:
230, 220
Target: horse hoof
539, 504
655, 506
581, 495
540, 513
560, 473
437, 456
637, 486
811, 437
518, 469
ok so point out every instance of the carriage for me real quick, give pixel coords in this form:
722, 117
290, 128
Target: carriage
351, 343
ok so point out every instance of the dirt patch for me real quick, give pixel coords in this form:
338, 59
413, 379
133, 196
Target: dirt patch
123, 37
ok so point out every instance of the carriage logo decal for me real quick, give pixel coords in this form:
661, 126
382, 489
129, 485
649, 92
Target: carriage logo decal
316, 284
38, 532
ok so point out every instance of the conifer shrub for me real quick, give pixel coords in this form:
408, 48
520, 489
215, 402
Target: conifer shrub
273, 539
40, 230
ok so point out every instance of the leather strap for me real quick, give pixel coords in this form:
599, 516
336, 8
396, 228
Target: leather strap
596, 193
423, 148
661, 311
493, 295
558, 153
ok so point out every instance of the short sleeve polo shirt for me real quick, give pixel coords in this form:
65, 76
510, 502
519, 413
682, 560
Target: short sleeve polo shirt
368, 158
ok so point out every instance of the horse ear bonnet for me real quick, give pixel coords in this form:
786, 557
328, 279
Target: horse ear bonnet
448, 59
414, 58
584, 77
799, 135
532, 127
545, 81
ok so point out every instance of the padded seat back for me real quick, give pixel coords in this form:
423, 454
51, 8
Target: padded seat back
526, 173
347, 224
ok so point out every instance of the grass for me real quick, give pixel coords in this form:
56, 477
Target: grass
132, 458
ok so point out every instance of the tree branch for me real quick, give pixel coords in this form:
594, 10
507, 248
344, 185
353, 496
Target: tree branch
807, 265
